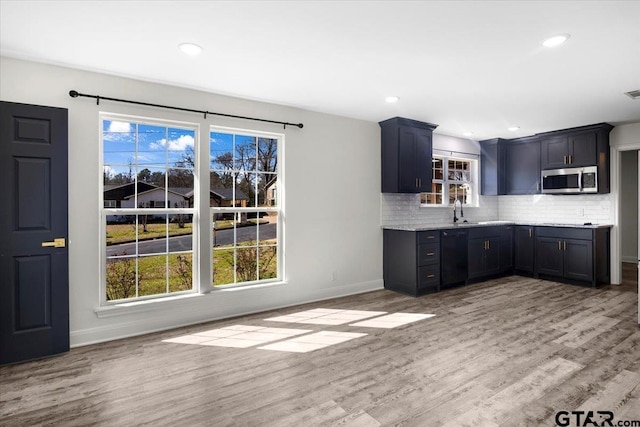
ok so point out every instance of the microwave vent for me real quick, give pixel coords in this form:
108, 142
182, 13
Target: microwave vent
634, 94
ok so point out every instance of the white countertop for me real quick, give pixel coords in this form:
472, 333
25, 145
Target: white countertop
427, 227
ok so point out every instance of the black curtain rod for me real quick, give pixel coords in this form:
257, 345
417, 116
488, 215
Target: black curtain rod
75, 94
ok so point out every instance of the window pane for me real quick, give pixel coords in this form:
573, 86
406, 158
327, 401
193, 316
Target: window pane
180, 148
267, 228
152, 234
180, 232
267, 155
221, 152
120, 235
245, 153
246, 264
180, 272
180, 188
152, 275
267, 189
119, 142
458, 191
433, 198
121, 278
437, 166
152, 145
268, 262
223, 263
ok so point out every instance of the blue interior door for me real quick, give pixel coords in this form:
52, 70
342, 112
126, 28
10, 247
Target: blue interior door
34, 274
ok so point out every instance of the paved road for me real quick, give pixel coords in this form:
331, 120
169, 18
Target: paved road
183, 243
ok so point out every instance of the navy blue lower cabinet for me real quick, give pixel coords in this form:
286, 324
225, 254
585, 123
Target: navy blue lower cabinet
573, 255
411, 261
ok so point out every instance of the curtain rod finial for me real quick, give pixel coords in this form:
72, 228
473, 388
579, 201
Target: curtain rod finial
73, 93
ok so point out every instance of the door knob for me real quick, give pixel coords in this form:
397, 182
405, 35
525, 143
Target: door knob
60, 242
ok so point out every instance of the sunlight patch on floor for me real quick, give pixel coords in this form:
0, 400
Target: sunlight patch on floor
239, 336
326, 316
312, 342
299, 340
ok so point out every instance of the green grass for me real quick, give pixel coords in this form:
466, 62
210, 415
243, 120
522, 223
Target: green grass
125, 233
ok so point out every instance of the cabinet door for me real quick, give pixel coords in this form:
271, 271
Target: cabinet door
549, 256
523, 168
492, 256
578, 259
475, 257
506, 245
407, 173
524, 249
414, 160
423, 157
583, 150
555, 153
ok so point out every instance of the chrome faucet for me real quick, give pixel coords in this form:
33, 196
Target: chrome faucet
455, 218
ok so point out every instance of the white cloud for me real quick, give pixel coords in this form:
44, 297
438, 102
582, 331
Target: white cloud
109, 171
179, 144
119, 127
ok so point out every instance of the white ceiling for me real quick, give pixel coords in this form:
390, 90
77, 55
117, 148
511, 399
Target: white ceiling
466, 66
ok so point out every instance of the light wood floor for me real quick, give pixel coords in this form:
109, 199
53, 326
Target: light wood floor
508, 352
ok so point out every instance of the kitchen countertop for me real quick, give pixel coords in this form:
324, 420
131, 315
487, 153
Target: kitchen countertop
428, 227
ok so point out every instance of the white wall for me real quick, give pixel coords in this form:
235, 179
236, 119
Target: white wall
629, 206
332, 169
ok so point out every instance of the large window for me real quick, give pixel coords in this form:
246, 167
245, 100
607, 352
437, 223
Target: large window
452, 179
147, 217
245, 206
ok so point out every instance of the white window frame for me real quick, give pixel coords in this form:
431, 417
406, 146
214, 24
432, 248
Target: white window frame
472, 201
278, 208
104, 212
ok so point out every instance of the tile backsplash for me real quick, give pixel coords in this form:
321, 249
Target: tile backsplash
405, 210
570, 209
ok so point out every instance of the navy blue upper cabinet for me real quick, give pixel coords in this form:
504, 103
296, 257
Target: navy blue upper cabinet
510, 166
575, 147
513, 166
406, 155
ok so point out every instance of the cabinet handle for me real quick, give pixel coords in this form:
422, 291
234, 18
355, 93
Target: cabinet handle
419, 182
431, 276
559, 245
570, 159
488, 245
430, 254
538, 186
431, 237
565, 245
529, 232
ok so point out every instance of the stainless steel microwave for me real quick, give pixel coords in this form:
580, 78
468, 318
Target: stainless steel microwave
570, 180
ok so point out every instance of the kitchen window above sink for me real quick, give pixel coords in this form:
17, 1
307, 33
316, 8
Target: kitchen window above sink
452, 179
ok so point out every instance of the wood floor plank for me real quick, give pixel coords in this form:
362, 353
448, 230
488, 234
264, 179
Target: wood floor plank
510, 351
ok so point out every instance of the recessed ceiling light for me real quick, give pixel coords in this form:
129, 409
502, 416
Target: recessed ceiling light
513, 128
467, 133
392, 99
190, 48
556, 40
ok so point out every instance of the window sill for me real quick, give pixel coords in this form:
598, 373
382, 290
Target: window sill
134, 307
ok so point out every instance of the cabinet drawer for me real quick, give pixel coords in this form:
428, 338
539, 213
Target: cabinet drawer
428, 278
565, 233
484, 232
428, 236
429, 254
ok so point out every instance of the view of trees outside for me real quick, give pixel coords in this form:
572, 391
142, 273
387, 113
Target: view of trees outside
147, 166
152, 166
248, 166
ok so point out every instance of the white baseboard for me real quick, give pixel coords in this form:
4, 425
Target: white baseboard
157, 320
